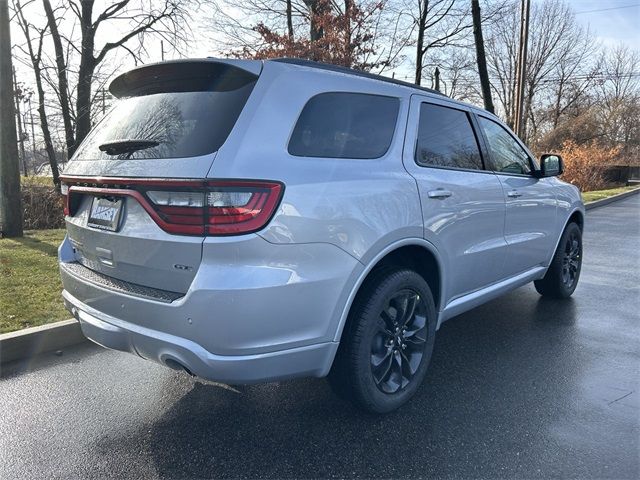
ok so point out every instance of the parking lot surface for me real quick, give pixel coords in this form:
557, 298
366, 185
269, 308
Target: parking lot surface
521, 387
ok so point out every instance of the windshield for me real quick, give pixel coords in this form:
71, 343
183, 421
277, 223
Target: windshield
166, 125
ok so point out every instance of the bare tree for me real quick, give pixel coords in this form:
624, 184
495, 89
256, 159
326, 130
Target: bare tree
558, 48
361, 34
481, 59
79, 59
166, 20
439, 23
34, 47
63, 82
618, 95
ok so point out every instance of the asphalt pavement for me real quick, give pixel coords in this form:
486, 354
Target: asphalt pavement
522, 387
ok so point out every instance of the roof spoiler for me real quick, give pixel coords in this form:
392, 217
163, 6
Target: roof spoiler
186, 75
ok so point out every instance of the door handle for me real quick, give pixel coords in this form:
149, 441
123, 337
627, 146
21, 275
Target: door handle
439, 193
514, 194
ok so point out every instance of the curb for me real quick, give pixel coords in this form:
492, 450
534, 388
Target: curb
608, 200
33, 341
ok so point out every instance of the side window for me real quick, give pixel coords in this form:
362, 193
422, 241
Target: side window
446, 139
507, 155
345, 125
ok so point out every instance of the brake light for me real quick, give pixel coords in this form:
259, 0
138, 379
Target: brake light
236, 208
64, 190
228, 208
190, 207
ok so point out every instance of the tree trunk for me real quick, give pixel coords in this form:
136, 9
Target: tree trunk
316, 9
46, 133
10, 200
18, 99
481, 57
44, 125
36, 58
422, 24
85, 74
348, 50
63, 83
527, 111
289, 20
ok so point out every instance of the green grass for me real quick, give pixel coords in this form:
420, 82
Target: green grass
30, 284
600, 194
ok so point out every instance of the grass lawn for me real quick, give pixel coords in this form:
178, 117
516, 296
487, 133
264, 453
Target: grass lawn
30, 284
600, 194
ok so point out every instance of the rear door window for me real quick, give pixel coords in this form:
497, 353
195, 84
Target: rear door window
175, 114
345, 125
446, 139
507, 156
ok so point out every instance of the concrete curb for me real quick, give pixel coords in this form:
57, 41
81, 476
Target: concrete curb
33, 341
608, 200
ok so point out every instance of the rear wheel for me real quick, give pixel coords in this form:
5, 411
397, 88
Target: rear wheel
387, 343
562, 276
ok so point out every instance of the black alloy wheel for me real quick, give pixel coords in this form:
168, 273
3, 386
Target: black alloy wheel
397, 347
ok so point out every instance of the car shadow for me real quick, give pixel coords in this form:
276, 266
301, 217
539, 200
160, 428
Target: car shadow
488, 388
35, 244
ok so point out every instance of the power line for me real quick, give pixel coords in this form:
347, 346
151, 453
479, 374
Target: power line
597, 76
610, 8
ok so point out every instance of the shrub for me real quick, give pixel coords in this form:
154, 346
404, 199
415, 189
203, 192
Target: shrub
41, 203
585, 164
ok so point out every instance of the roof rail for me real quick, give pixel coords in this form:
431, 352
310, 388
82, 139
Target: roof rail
350, 71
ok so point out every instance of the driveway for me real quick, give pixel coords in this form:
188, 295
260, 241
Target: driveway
520, 387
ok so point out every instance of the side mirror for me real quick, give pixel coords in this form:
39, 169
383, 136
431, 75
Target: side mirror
550, 165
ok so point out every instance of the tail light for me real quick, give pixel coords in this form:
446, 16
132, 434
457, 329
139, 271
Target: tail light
64, 190
194, 207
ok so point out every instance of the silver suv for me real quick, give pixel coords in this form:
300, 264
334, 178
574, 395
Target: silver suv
251, 221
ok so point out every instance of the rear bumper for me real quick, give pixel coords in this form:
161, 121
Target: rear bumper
180, 353
254, 312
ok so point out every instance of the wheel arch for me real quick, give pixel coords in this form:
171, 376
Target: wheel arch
415, 253
576, 216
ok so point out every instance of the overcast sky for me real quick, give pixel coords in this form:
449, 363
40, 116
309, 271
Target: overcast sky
612, 21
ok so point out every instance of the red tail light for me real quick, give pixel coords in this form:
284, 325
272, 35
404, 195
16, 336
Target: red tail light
64, 190
192, 207
234, 209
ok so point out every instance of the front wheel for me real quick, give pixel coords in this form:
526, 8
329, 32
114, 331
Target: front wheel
562, 276
387, 343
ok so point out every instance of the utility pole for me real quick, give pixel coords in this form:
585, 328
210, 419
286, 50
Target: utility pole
10, 202
521, 74
162, 50
17, 92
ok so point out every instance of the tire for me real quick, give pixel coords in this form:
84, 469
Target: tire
372, 367
563, 274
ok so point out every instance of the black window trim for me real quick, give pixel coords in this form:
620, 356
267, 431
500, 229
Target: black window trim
472, 124
352, 92
532, 164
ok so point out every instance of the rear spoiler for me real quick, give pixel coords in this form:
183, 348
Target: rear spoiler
185, 76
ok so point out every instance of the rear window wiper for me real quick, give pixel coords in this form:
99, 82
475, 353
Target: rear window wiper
118, 147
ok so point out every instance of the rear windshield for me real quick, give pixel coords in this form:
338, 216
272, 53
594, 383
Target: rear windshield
345, 125
177, 118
